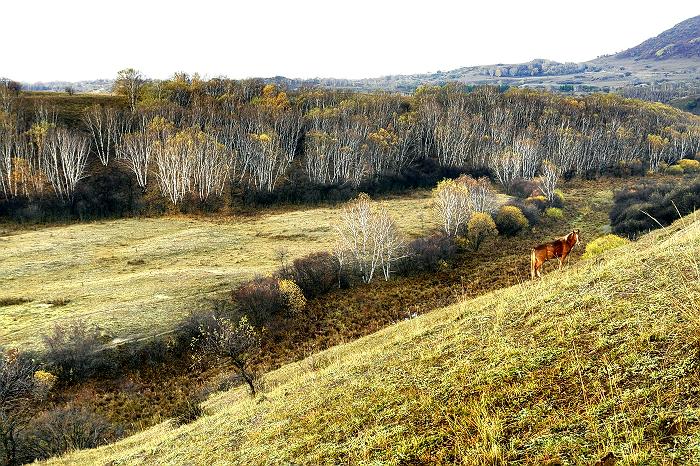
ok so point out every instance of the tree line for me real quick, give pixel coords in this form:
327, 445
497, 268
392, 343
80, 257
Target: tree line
192, 140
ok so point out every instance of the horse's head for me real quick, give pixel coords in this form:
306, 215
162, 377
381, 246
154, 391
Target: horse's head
575, 236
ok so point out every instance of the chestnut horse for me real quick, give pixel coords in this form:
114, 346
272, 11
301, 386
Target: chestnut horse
559, 248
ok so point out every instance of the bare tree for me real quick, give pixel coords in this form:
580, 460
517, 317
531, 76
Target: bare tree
391, 243
368, 239
136, 150
506, 167
453, 206
212, 164
174, 160
107, 126
548, 179
235, 341
7, 155
64, 160
481, 194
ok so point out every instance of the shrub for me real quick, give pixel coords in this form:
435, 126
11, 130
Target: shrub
539, 202
13, 301
260, 298
525, 188
627, 168
531, 213
43, 383
192, 326
16, 396
65, 429
295, 300
603, 244
187, 410
634, 207
480, 227
73, 351
510, 220
689, 166
315, 274
558, 199
426, 254
674, 170
555, 213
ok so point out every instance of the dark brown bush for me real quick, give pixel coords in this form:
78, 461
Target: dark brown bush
316, 274
260, 298
73, 351
64, 429
188, 410
426, 254
634, 207
525, 188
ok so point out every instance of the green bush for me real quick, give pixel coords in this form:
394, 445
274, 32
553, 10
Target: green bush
603, 244
480, 227
689, 166
558, 200
510, 220
555, 213
674, 170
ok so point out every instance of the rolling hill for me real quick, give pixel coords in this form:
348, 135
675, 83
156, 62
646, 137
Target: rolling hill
589, 366
681, 41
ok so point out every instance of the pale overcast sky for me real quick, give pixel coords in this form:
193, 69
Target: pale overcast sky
85, 39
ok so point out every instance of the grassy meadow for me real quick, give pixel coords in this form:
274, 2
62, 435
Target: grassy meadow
595, 365
137, 277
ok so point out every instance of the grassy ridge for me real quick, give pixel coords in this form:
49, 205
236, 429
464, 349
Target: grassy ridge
601, 360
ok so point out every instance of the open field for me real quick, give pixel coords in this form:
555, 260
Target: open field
597, 362
145, 397
134, 277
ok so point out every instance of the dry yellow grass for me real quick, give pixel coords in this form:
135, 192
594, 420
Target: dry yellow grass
599, 360
137, 277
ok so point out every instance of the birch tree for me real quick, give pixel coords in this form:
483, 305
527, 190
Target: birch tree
106, 126
368, 239
136, 150
212, 164
64, 160
174, 161
452, 205
548, 179
129, 83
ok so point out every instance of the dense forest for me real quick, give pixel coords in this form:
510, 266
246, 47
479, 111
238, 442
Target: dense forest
194, 144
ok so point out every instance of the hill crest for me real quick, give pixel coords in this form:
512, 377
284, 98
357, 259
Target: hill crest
681, 41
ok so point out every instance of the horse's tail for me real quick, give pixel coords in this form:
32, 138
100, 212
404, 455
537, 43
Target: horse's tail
533, 259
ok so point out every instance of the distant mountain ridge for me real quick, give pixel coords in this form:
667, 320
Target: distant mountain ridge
669, 58
681, 41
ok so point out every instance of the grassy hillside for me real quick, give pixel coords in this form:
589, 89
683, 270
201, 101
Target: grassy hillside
139, 276
681, 41
69, 108
600, 361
